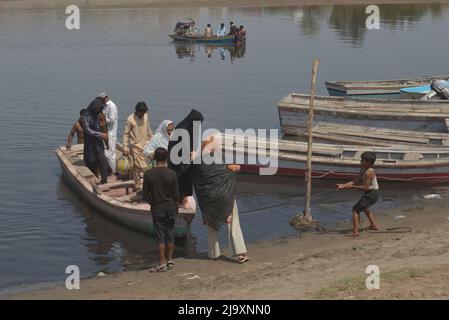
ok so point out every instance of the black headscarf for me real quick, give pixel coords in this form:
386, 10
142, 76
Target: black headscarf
183, 170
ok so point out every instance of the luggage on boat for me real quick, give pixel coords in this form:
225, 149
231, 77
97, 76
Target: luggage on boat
441, 87
181, 28
124, 165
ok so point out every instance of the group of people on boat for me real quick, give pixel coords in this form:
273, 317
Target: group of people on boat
167, 185
191, 30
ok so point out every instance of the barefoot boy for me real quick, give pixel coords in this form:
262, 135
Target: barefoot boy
366, 181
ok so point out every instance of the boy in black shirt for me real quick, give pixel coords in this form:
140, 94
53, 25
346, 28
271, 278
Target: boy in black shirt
160, 190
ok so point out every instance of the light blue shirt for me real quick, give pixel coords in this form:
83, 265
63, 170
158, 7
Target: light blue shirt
221, 32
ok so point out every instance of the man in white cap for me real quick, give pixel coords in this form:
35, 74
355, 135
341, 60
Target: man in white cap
111, 113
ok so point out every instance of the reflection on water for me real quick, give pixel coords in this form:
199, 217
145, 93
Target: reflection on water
348, 21
193, 51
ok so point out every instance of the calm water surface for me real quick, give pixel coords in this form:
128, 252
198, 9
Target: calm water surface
48, 73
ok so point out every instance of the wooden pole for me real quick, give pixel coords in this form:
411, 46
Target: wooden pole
308, 176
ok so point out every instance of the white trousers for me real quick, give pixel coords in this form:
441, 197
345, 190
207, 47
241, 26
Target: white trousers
235, 236
110, 153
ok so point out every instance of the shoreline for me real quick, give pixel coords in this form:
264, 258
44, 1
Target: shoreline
326, 265
99, 4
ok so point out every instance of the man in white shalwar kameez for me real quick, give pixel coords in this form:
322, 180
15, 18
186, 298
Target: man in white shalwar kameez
111, 113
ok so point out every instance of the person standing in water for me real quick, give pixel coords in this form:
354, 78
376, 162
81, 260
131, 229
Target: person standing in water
136, 135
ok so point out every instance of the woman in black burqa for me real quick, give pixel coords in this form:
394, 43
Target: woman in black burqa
215, 191
184, 170
93, 140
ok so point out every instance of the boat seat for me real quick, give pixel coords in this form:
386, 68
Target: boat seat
118, 184
84, 171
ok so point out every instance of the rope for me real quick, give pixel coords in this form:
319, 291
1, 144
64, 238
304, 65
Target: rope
387, 178
393, 230
285, 203
388, 230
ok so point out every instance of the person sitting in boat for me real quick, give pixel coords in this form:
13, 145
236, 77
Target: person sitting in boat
208, 31
241, 34
78, 129
221, 32
232, 29
160, 139
193, 29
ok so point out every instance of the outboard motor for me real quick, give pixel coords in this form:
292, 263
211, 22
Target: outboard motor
181, 28
441, 87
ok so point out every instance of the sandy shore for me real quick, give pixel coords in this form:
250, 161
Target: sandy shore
55, 4
329, 265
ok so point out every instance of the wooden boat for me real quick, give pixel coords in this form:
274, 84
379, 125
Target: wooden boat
359, 135
412, 115
377, 87
203, 39
329, 161
113, 199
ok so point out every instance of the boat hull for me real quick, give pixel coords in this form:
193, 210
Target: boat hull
386, 114
344, 172
377, 87
212, 40
136, 219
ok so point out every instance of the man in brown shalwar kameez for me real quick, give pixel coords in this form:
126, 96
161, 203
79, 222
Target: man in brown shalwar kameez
136, 135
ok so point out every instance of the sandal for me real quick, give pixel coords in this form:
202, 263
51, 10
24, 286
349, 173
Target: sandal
159, 268
170, 264
242, 259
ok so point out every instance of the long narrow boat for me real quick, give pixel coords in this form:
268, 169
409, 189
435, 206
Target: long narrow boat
377, 87
330, 161
203, 39
113, 199
412, 115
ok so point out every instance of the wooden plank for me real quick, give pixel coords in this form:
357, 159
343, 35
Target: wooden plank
117, 184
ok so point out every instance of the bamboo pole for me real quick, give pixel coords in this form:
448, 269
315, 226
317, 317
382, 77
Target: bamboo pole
308, 175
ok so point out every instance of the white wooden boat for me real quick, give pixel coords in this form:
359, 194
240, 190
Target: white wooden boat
342, 162
412, 115
114, 199
377, 87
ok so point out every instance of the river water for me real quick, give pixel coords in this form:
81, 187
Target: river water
48, 73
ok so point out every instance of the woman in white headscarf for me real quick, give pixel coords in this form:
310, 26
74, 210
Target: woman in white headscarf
160, 139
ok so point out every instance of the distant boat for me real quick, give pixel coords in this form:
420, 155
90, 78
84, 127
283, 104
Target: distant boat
377, 87
412, 115
114, 199
203, 39
342, 162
